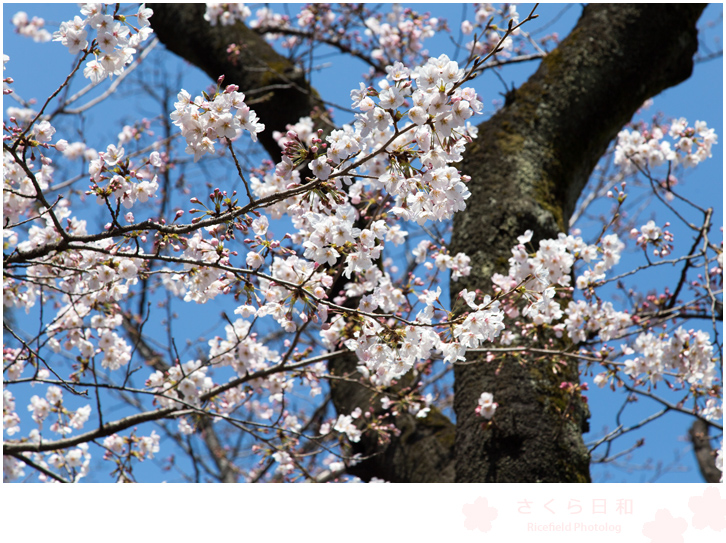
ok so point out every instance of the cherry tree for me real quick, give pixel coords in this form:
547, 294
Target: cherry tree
339, 356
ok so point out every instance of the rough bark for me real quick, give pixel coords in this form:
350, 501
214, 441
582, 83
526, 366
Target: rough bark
528, 167
705, 455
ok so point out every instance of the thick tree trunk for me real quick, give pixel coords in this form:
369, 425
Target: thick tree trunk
528, 167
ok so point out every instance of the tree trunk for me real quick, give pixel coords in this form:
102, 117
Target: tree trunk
528, 167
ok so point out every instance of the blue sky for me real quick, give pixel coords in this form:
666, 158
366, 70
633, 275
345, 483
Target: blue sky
699, 98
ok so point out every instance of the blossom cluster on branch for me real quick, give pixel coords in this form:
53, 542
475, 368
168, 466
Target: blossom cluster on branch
379, 39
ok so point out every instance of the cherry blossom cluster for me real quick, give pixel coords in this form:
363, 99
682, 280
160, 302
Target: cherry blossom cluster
12, 468
103, 282
458, 265
242, 350
550, 268
18, 189
646, 148
117, 181
266, 18
299, 136
52, 405
650, 234
246, 354
199, 280
74, 459
382, 39
687, 354
123, 450
73, 462
225, 14
21, 294
301, 275
713, 410
11, 419
383, 361
486, 35
415, 404
181, 382
400, 34
7, 81
31, 28
430, 191
584, 319
345, 425
114, 180
203, 121
115, 43
145, 446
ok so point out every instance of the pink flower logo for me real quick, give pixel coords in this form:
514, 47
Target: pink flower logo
665, 528
708, 509
479, 515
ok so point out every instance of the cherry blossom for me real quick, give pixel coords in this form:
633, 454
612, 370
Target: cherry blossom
486, 406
